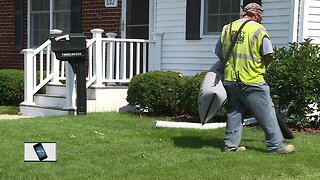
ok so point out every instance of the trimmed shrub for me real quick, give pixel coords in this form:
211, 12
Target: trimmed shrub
159, 90
294, 76
11, 87
189, 97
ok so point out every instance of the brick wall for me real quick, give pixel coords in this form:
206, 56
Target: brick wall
94, 15
9, 57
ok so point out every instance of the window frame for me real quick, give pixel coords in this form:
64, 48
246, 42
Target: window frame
202, 21
51, 20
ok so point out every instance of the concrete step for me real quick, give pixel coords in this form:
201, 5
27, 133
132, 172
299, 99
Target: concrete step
50, 100
60, 90
37, 110
55, 89
101, 99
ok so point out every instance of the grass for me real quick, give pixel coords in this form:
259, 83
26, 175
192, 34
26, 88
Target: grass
123, 146
9, 109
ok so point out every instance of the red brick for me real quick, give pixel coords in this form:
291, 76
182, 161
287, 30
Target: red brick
12, 59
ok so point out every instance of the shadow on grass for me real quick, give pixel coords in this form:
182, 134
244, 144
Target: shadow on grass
197, 142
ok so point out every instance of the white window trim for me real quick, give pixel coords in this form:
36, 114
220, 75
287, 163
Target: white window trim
29, 21
202, 35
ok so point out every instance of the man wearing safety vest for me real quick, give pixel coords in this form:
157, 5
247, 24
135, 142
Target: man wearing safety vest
244, 80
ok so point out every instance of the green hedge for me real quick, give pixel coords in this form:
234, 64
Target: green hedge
169, 93
159, 90
189, 98
11, 87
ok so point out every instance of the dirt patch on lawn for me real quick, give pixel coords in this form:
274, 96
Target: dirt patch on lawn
12, 116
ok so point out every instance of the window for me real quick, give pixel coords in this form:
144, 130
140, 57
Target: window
45, 15
217, 13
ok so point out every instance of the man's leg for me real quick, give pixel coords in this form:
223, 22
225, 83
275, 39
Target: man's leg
259, 102
234, 127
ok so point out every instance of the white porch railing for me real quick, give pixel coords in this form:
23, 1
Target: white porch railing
110, 60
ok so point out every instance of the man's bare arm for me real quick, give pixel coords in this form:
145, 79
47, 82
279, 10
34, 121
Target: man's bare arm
268, 58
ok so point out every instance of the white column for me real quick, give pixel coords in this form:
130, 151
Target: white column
111, 35
155, 61
29, 72
110, 55
55, 63
303, 21
55, 68
97, 60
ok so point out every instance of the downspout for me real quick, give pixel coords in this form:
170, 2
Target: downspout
29, 24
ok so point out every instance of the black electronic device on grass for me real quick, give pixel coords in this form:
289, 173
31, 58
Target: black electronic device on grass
41, 153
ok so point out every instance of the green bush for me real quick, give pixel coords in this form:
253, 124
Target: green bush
159, 90
294, 76
11, 87
189, 97
169, 93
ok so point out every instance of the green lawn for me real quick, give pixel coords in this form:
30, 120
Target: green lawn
9, 109
122, 146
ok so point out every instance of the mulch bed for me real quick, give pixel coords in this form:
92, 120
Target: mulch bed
306, 130
191, 119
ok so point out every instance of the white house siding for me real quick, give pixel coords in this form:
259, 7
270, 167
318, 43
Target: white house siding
194, 56
186, 56
278, 20
310, 20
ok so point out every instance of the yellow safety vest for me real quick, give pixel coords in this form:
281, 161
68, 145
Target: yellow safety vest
245, 62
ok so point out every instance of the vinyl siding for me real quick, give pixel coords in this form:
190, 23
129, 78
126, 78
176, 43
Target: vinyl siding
194, 56
310, 16
186, 56
277, 19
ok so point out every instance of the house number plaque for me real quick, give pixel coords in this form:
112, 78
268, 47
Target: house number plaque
111, 3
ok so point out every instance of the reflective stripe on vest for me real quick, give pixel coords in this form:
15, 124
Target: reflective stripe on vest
245, 59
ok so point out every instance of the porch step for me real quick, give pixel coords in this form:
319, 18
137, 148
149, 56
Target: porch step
55, 89
38, 110
99, 99
60, 90
58, 101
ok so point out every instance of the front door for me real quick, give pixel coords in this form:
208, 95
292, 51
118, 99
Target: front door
135, 19
136, 25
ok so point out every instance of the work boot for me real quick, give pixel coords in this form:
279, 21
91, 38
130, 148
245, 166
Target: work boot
235, 149
285, 150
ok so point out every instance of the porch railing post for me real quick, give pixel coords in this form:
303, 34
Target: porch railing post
110, 55
97, 60
29, 72
55, 69
156, 64
55, 66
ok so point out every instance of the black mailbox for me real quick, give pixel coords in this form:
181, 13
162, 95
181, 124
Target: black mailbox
73, 48
69, 47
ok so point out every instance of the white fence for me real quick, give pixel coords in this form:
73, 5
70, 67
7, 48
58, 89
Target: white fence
109, 60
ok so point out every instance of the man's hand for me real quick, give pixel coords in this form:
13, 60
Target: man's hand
268, 58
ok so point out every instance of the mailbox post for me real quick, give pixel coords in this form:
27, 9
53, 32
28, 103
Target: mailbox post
72, 48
